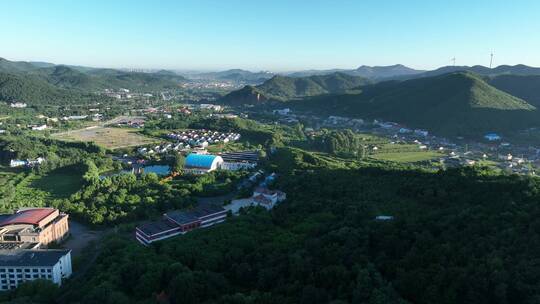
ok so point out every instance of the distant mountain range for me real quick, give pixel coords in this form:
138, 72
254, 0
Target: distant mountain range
40, 83
462, 102
91, 79
234, 75
519, 69
283, 88
371, 72
452, 100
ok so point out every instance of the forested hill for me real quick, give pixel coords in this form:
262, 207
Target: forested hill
526, 87
34, 91
452, 104
91, 79
282, 88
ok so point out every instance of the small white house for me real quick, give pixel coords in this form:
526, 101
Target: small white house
492, 137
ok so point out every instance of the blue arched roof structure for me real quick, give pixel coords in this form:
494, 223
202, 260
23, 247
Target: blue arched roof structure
200, 161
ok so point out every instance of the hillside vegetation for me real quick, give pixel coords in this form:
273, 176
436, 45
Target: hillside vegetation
526, 87
282, 88
457, 103
90, 79
35, 91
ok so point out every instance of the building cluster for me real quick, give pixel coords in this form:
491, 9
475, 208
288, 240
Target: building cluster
203, 138
179, 222
204, 107
118, 94
23, 235
93, 117
134, 122
14, 163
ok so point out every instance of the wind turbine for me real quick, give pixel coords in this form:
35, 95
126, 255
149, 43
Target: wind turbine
453, 60
491, 60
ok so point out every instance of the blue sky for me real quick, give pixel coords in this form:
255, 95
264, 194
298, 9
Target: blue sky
270, 35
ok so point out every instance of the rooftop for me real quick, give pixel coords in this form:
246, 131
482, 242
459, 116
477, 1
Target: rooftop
28, 216
185, 217
200, 160
37, 258
152, 228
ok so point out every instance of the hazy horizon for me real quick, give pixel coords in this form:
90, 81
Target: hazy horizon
278, 36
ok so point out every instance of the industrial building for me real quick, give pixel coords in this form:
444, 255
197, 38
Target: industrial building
179, 222
34, 225
19, 266
202, 163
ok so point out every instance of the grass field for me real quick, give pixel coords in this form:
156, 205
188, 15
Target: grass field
59, 183
407, 157
111, 138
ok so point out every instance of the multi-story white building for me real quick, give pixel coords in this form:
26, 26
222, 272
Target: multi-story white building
19, 266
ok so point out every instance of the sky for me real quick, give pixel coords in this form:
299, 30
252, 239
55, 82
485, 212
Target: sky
276, 35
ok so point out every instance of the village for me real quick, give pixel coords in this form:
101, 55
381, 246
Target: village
491, 150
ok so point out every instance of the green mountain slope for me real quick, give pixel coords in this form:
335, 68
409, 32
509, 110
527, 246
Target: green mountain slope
282, 88
92, 79
35, 91
7, 66
522, 86
451, 104
66, 77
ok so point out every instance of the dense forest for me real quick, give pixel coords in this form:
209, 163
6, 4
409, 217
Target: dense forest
457, 236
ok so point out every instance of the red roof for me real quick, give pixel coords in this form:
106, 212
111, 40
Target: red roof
29, 216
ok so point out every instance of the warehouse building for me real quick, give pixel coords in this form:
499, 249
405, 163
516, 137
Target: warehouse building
179, 222
245, 160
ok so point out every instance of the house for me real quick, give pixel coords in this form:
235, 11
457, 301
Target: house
273, 195
492, 137
38, 127
262, 196
36, 162
17, 163
404, 130
506, 157
384, 218
420, 132
284, 111
18, 105
202, 163
75, 117
23, 265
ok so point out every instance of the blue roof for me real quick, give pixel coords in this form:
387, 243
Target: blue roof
200, 160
